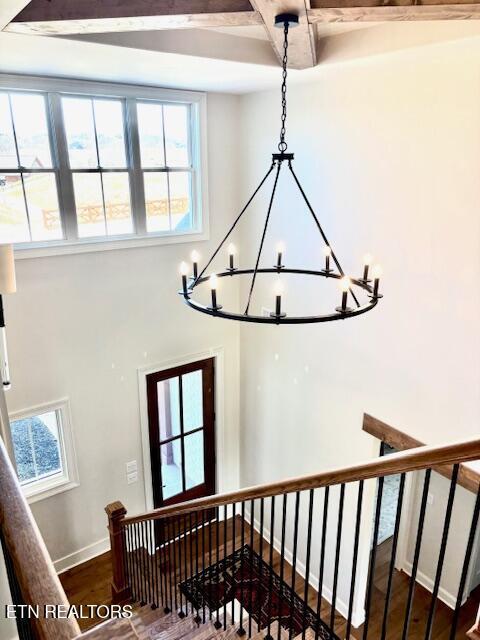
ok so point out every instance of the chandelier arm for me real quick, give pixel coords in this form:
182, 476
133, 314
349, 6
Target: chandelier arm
254, 277
237, 219
319, 226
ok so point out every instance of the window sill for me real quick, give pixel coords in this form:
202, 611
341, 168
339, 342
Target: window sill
89, 245
49, 490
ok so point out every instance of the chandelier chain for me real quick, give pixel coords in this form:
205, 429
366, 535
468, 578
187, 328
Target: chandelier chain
282, 145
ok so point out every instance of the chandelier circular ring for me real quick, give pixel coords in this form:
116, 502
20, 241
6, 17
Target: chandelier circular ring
283, 318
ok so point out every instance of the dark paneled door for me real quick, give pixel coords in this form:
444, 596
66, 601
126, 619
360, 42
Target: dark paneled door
181, 416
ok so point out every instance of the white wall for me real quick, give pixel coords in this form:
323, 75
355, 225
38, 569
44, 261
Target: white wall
81, 325
388, 151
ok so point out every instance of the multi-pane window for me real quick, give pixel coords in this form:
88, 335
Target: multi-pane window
77, 167
167, 169
95, 132
29, 208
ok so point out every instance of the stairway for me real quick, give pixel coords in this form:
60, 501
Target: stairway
154, 624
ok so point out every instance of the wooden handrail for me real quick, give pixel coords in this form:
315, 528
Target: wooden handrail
399, 440
34, 570
412, 460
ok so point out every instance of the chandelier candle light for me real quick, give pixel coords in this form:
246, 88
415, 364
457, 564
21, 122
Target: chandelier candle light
352, 289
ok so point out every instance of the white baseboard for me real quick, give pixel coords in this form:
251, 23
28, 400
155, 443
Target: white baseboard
445, 596
82, 555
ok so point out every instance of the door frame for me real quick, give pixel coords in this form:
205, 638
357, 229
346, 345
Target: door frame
143, 372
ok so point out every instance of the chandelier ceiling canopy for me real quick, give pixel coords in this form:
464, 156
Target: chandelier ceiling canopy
358, 295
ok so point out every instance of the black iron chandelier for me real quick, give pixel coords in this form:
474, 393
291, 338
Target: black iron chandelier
352, 289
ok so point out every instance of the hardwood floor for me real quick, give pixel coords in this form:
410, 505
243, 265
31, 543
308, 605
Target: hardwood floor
89, 583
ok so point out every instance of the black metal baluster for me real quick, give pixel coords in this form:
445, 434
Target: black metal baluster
418, 544
166, 564
151, 546
137, 562
177, 563
307, 561
337, 558
322, 560
294, 563
393, 556
210, 555
130, 562
260, 587
250, 582
241, 630
126, 545
191, 561
466, 564
145, 555
158, 575
140, 566
157, 526
373, 557
197, 618
170, 565
158, 556
217, 623
441, 555
148, 558
173, 572
358, 522
270, 568
203, 565
124, 556
178, 536
282, 562
225, 539
183, 536
233, 561
190, 537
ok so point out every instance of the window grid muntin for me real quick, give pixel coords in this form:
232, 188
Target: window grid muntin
166, 168
100, 169
21, 169
131, 95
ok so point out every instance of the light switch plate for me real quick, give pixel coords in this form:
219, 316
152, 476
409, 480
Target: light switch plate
132, 477
131, 466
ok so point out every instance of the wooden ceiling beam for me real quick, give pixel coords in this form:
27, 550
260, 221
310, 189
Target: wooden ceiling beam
137, 23
302, 39
68, 17
43, 10
387, 13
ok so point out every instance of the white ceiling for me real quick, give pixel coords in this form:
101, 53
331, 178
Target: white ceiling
212, 60
323, 30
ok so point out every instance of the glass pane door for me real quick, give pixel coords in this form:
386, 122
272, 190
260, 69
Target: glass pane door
182, 440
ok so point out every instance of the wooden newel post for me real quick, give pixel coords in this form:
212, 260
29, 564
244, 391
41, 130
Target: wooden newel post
120, 589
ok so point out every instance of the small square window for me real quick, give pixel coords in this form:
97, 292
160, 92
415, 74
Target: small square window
43, 450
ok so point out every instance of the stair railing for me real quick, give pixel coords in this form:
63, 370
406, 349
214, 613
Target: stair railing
31, 575
261, 558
